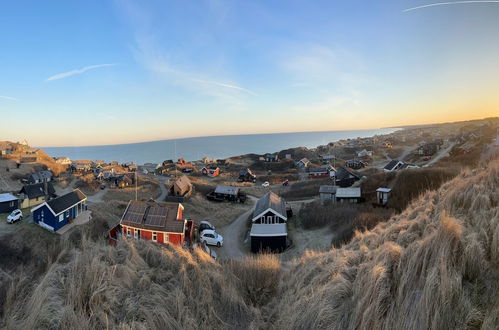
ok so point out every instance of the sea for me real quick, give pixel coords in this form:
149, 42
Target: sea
217, 147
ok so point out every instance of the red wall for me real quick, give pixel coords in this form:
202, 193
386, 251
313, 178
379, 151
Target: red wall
173, 238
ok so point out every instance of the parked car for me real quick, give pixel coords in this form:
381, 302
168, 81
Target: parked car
16, 215
211, 237
265, 184
204, 225
285, 182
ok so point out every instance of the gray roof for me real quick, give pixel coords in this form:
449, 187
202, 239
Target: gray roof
41, 176
269, 230
7, 198
227, 190
348, 192
387, 190
327, 190
270, 201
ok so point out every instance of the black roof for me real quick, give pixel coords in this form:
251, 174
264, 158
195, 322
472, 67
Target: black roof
343, 173
37, 190
64, 202
391, 164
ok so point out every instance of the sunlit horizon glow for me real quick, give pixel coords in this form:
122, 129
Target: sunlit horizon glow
101, 73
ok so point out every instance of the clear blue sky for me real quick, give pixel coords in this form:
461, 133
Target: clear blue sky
103, 72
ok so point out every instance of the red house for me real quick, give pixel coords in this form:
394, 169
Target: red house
211, 171
158, 222
321, 172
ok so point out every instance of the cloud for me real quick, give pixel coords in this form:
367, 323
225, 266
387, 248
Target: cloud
8, 98
179, 64
447, 3
78, 71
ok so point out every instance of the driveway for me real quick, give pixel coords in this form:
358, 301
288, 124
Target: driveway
234, 236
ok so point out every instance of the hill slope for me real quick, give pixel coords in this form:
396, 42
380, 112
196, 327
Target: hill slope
436, 265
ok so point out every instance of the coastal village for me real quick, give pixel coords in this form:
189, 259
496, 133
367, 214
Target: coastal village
284, 202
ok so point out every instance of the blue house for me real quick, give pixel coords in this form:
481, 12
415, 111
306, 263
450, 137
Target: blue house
58, 212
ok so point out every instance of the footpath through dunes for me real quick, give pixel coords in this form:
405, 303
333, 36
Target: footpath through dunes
434, 266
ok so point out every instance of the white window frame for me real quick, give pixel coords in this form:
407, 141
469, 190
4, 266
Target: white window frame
269, 219
61, 217
128, 232
136, 233
154, 236
165, 238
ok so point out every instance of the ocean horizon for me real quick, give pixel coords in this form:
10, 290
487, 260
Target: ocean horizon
218, 147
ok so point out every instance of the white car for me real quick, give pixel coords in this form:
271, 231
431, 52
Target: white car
16, 215
211, 237
265, 184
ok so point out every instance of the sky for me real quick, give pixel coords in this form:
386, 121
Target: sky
107, 72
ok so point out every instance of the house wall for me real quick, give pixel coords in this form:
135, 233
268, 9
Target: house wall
25, 203
325, 197
348, 200
263, 244
316, 175
7, 207
173, 238
264, 218
44, 215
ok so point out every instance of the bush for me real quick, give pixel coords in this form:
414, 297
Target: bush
343, 219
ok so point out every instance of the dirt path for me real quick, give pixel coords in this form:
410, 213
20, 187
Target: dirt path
233, 236
441, 154
97, 197
164, 191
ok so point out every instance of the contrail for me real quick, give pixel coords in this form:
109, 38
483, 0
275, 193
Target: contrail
450, 3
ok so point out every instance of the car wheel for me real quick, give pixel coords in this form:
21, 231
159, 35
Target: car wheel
218, 244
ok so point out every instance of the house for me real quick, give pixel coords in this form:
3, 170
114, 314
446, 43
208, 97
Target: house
364, 153
58, 212
181, 187
211, 171
38, 177
6, 149
382, 196
269, 221
226, 193
348, 195
34, 194
321, 172
326, 158
81, 166
149, 168
62, 160
246, 175
427, 149
153, 221
355, 164
395, 165
271, 158
303, 163
8, 203
345, 177
123, 181
327, 194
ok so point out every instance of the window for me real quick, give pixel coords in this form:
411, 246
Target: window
67, 213
136, 233
128, 232
165, 239
154, 236
61, 217
12, 204
269, 219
